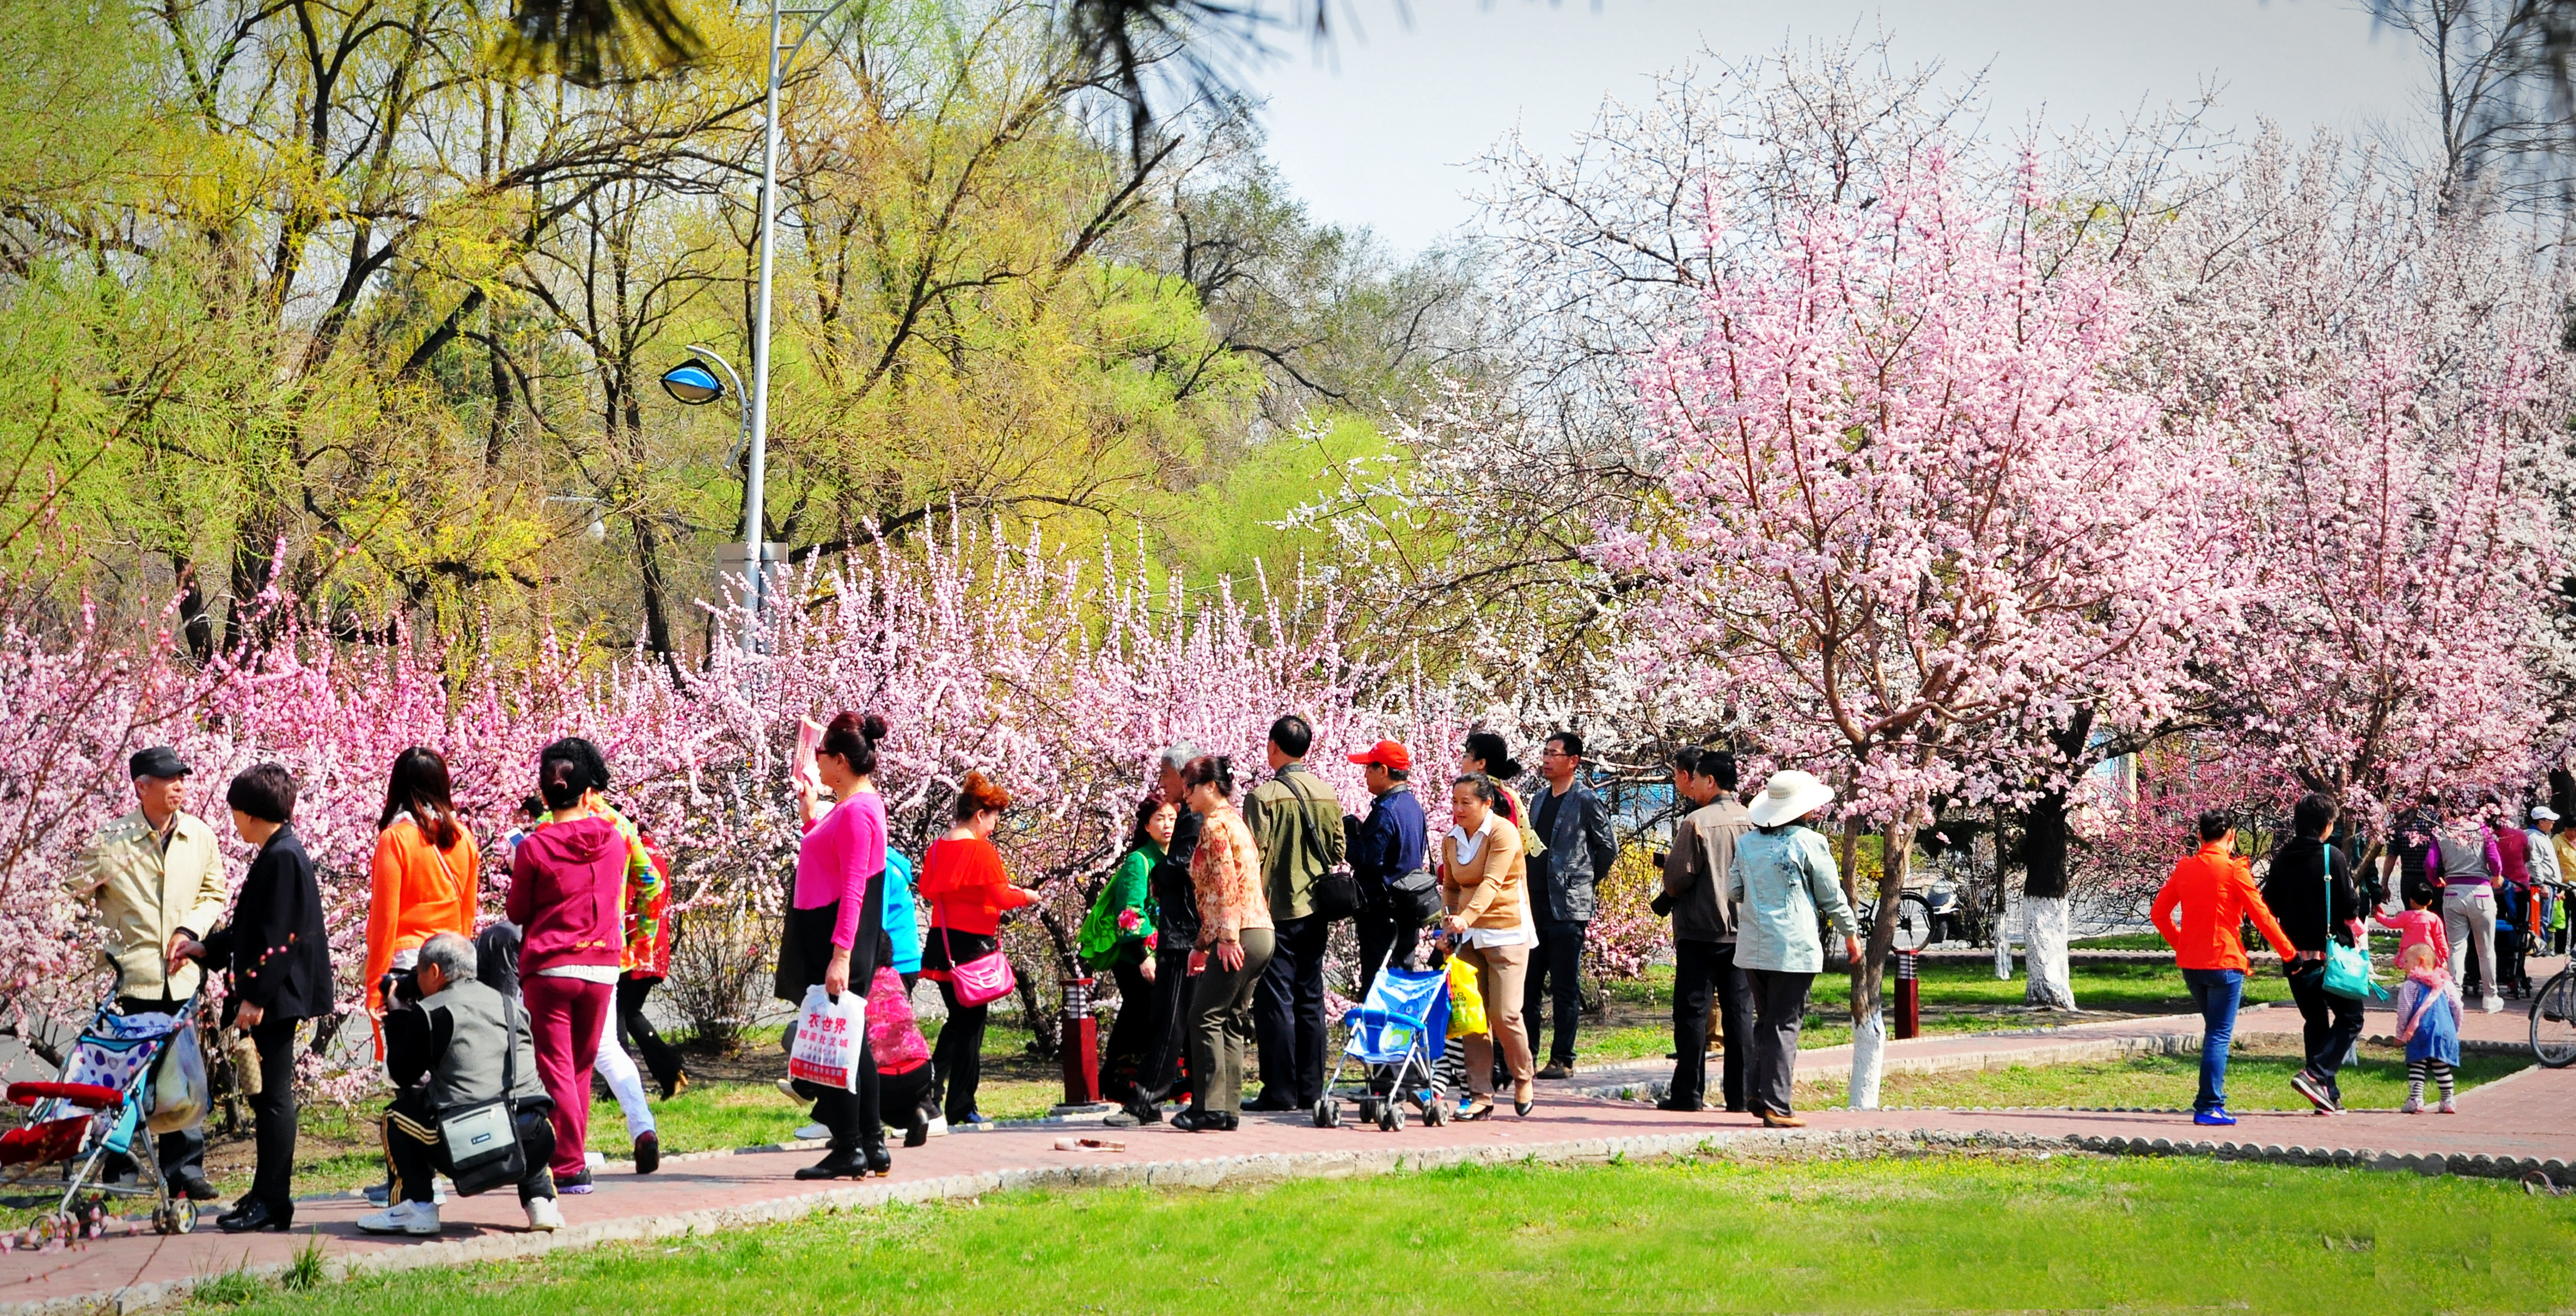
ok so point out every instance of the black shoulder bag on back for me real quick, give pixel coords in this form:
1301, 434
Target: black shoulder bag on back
482, 1139
1336, 894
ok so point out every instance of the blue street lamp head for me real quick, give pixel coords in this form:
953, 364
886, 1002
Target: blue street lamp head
693, 383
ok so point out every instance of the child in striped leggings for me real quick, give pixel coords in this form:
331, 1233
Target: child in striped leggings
2428, 1022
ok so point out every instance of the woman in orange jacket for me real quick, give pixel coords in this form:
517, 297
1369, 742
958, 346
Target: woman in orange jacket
424, 879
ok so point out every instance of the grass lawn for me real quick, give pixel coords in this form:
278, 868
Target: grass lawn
2258, 1078
1928, 1233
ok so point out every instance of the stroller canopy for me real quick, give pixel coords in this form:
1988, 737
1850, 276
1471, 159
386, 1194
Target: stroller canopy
1404, 1010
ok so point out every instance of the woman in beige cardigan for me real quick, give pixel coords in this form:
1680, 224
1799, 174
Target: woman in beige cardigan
1483, 883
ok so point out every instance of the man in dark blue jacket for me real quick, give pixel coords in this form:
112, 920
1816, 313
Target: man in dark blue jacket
1575, 826
1384, 849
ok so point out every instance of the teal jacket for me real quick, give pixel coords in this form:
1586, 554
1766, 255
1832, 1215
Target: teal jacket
1779, 882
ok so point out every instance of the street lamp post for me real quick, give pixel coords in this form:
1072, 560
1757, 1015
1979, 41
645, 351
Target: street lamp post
783, 49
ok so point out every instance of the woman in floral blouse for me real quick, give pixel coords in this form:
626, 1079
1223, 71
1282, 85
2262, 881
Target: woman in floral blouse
1234, 947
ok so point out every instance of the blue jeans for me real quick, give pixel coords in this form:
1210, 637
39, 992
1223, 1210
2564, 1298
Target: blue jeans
2216, 992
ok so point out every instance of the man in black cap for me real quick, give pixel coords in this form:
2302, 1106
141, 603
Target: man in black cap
154, 876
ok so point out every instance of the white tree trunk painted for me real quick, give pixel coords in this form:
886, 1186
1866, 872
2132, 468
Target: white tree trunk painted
2003, 950
2044, 953
1869, 1055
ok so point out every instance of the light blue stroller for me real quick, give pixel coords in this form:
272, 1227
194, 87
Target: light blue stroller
1397, 1034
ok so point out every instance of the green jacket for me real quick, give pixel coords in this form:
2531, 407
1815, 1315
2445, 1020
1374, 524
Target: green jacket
1296, 821
1103, 942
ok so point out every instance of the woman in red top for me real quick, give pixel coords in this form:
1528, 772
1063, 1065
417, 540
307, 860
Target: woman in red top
962, 878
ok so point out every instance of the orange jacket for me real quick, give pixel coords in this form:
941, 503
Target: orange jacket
2215, 892
414, 893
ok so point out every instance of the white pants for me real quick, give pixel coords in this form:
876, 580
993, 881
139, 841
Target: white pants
618, 1069
2468, 915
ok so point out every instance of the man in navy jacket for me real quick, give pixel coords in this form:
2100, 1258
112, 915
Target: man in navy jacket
1386, 847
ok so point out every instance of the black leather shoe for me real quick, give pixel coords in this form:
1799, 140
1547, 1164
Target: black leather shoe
880, 1161
837, 1165
1232, 1120
251, 1217
648, 1152
918, 1134
1270, 1103
195, 1187
1195, 1120
1677, 1104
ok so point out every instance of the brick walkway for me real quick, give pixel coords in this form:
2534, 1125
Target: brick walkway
2528, 1117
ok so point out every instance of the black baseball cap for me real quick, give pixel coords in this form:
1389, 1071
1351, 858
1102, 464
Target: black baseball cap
158, 761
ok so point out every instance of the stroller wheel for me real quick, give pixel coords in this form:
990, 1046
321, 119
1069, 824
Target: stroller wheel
1368, 1110
179, 1217
1435, 1112
1328, 1113
1391, 1117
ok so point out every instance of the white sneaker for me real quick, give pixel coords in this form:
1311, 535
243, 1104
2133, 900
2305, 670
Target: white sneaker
402, 1218
2491, 1004
544, 1216
810, 1132
939, 1126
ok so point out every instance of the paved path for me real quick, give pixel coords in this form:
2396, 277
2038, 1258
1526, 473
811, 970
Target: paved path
2528, 1117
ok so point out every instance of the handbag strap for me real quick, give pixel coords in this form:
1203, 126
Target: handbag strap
510, 1059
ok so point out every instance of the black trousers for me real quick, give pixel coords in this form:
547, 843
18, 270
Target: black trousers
1706, 982
1385, 940
958, 1056
636, 1033
1167, 1021
1779, 1011
1288, 1015
1556, 972
414, 1152
1122, 1053
273, 1116
851, 1116
2332, 1024
181, 1153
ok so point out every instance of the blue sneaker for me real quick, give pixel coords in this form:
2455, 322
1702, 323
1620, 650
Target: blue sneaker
2220, 1117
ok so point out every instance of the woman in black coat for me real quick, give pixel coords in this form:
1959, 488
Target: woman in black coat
278, 960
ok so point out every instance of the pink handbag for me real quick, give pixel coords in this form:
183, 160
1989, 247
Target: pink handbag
981, 980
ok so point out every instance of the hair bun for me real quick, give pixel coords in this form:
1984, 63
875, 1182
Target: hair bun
873, 727
1225, 764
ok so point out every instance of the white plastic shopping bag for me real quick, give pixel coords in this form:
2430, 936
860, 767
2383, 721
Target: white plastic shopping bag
828, 1036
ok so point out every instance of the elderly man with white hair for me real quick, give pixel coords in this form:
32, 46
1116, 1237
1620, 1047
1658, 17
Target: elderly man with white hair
464, 1068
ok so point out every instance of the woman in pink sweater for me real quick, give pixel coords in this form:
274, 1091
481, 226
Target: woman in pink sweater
568, 896
835, 933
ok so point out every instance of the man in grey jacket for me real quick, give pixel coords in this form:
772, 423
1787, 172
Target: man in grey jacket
1704, 932
1575, 826
453, 1052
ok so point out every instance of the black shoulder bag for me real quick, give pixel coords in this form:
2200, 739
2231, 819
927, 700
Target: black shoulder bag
1336, 894
482, 1139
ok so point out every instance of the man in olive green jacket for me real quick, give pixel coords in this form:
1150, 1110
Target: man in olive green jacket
154, 876
1296, 820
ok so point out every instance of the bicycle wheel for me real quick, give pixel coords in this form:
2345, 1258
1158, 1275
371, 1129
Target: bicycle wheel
1913, 923
2553, 1022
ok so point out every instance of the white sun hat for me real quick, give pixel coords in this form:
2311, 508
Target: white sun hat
2544, 814
1789, 796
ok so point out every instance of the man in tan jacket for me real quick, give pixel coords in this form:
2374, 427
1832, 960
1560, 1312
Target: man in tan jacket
1706, 983
154, 876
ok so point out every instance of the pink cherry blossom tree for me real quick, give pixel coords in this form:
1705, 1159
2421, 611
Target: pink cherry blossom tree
1910, 503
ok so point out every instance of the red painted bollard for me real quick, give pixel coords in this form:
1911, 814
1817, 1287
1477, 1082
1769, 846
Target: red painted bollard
1081, 1042
1909, 995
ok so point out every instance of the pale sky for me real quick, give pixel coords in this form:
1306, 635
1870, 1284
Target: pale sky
1378, 136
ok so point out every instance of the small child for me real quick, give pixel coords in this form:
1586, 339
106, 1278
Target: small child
2419, 925
2428, 1022
902, 1059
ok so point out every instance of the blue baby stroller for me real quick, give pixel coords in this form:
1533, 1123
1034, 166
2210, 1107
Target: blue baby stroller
1398, 1034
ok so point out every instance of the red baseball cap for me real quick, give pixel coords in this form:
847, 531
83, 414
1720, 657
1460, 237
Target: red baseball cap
1387, 754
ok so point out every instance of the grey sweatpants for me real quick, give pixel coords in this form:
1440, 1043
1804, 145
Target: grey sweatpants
2468, 915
